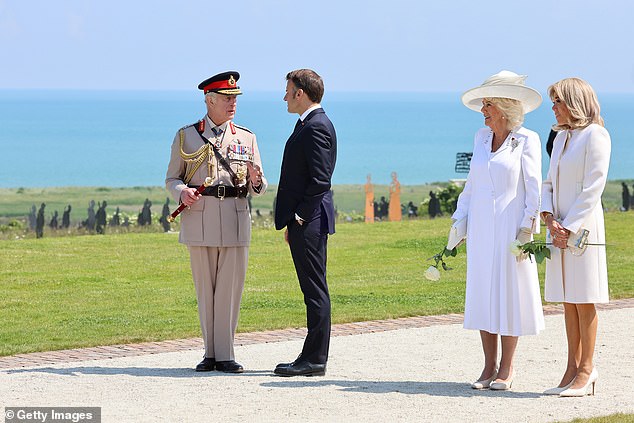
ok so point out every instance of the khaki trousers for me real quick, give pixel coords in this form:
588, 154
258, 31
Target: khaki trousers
219, 274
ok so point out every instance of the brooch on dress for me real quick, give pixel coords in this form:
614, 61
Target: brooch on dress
514, 143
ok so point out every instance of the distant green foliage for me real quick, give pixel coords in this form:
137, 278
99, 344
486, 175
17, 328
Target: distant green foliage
448, 197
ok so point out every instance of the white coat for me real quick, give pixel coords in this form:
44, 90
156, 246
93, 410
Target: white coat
572, 193
501, 196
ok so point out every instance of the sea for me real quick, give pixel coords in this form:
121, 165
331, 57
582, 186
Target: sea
58, 138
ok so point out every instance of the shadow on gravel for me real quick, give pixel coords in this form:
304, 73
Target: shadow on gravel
135, 371
440, 389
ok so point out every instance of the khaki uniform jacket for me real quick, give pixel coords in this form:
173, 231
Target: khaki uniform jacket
210, 221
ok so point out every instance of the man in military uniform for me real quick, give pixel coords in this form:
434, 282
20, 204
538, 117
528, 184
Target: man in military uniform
216, 226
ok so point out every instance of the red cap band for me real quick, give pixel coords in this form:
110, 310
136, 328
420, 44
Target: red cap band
219, 85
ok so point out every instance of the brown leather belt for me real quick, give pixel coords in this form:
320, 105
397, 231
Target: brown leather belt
222, 191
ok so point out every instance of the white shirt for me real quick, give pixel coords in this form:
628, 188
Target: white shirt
307, 112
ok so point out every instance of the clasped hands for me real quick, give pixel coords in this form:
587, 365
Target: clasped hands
558, 233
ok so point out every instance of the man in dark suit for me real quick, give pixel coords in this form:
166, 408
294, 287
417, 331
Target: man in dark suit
304, 206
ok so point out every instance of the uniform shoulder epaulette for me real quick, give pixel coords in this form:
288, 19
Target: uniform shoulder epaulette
187, 126
243, 128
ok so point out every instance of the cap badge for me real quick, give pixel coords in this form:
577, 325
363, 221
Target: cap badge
231, 81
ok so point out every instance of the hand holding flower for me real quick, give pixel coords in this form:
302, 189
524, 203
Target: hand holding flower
537, 249
523, 237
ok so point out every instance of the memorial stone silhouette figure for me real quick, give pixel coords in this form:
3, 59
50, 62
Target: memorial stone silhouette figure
100, 217
383, 208
116, 218
39, 222
32, 217
66, 217
92, 219
164, 214
412, 210
53, 224
145, 217
433, 208
625, 195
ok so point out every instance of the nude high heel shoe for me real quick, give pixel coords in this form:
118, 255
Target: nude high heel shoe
558, 390
588, 389
485, 383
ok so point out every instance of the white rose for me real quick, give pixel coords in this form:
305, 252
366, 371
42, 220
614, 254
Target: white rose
432, 273
516, 248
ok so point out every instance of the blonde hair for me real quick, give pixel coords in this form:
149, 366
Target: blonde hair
581, 101
511, 109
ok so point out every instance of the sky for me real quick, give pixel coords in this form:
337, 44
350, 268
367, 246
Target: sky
387, 46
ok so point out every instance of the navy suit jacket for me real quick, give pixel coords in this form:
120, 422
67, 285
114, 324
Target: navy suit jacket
305, 179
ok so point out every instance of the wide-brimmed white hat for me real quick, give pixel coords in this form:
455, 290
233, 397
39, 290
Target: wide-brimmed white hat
505, 84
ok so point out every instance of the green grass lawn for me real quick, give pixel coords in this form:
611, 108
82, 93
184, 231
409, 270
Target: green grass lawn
612, 418
63, 292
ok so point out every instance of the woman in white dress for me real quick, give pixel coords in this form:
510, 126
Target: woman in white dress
571, 203
501, 204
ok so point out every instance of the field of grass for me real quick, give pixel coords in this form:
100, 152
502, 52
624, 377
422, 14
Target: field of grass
63, 292
612, 418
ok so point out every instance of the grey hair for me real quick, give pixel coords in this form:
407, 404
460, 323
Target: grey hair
511, 109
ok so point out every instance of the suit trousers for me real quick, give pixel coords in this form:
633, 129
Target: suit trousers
219, 274
308, 244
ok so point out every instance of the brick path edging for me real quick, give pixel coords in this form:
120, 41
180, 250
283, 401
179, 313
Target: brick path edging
344, 329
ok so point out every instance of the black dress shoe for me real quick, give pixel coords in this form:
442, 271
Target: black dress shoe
207, 365
301, 368
229, 367
297, 360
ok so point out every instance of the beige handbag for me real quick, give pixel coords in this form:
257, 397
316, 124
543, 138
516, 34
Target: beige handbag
457, 233
578, 242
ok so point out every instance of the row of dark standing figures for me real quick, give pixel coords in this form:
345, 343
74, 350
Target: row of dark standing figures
96, 220
410, 210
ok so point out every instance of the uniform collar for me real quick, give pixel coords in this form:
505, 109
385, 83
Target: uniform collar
210, 124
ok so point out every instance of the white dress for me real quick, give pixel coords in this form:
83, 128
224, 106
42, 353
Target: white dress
572, 193
500, 197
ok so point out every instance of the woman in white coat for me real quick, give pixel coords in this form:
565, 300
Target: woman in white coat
571, 203
501, 204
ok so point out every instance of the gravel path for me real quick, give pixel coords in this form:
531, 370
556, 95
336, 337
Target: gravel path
402, 375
